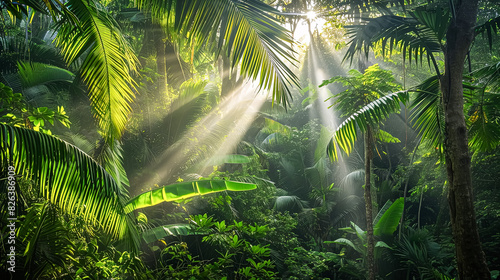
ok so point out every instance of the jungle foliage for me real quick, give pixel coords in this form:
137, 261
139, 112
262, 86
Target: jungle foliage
201, 139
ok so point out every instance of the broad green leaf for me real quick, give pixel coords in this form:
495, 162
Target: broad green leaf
160, 232
390, 219
235, 159
184, 190
345, 241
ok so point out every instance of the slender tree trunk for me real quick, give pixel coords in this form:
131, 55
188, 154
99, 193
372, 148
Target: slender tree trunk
470, 257
161, 60
228, 76
177, 70
370, 255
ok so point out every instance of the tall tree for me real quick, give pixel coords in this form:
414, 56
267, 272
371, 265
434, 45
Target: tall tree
427, 31
362, 89
470, 256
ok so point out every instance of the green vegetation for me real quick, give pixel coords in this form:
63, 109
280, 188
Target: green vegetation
206, 139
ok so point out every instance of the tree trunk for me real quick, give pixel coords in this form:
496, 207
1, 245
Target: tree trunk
153, 44
471, 261
370, 255
177, 70
228, 76
161, 60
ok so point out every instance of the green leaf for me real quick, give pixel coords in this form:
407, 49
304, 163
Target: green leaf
67, 177
371, 114
108, 60
35, 74
160, 232
390, 219
345, 241
246, 31
184, 190
235, 159
385, 137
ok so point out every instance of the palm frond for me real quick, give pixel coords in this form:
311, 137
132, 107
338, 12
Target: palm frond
53, 7
47, 242
66, 177
426, 113
356, 7
37, 79
371, 114
110, 157
418, 35
290, 203
33, 74
14, 48
246, 30
489, 27
108, 61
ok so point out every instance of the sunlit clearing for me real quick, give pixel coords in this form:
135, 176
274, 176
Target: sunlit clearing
216, 134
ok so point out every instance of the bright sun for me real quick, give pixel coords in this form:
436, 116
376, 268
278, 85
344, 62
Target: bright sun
302, 32
311, 15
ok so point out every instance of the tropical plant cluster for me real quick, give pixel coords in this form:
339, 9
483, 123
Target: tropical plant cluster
249, 139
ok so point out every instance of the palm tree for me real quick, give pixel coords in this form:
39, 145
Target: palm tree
361, 89
426, 32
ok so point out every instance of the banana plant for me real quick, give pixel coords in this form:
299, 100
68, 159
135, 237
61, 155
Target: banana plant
384, 224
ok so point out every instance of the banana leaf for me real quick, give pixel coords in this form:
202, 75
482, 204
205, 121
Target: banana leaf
184, 190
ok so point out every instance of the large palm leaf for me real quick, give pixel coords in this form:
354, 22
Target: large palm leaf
245, 30
53, 7
420, 34
14, 48
426, 115
370, 115
107, 63
66, 177
36, 81
484, 112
